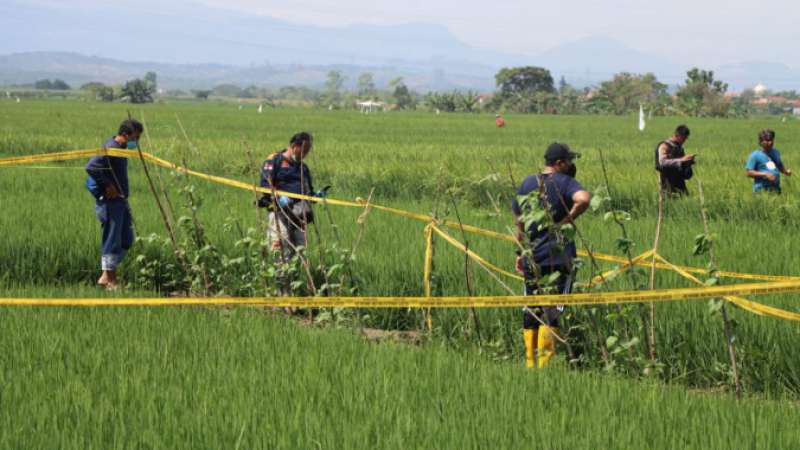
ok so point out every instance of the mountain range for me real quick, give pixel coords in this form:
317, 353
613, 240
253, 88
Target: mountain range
202, 47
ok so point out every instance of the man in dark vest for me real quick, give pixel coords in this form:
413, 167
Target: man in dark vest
674, 165
288, 217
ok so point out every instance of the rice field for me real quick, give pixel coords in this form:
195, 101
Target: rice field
214, 378
189, 378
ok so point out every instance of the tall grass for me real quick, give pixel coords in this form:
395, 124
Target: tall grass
50, 235
211, 378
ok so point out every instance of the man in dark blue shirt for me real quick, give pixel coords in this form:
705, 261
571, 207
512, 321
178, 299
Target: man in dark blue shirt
544, 203
288, 217
108, 183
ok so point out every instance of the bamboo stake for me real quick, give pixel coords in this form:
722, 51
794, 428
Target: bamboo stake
726, 321
167, 224
427, 270
467, 272
656, 241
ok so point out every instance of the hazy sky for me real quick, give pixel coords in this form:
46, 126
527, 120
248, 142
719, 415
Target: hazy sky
689, 32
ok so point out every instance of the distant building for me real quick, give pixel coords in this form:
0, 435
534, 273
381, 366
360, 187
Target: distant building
484, 99
776, 100
759, 90
369, 106
796, 111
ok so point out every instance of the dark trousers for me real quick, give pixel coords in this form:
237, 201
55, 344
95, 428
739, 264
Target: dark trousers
548, 314
674, 183
115, 218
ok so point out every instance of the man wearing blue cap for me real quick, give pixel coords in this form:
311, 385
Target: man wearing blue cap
555, 191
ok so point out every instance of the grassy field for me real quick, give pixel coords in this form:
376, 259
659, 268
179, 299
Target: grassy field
198, 378
49, 248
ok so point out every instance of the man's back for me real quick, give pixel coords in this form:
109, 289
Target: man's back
557, 194
112, 170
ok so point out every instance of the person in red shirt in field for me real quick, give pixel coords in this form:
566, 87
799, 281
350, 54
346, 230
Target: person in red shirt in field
499, 121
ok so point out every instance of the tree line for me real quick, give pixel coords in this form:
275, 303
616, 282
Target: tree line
138, 90
527, 89
532, 89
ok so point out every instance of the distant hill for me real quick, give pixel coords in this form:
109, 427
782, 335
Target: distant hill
776, 76
76, 69
597, 58
205, 34
203, 46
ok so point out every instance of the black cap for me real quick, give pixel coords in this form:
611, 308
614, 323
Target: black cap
557, 151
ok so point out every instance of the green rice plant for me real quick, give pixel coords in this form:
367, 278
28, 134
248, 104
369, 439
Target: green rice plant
216, 378
51, 238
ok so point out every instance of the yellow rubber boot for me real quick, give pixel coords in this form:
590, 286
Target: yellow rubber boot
546, 344
529, 336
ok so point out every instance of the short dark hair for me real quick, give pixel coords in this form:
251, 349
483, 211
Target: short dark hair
129, 127
301, 137
766, 135
682, 131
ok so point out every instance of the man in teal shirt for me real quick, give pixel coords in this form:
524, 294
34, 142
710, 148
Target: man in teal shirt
764, 165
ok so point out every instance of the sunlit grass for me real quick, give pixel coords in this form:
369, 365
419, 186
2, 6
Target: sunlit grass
209, 378
50, 235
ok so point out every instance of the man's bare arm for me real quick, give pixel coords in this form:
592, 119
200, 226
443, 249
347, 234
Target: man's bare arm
664, 162
580, 203
756, 174
520, 228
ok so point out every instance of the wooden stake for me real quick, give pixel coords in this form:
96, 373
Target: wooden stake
656, 240
727, 323
427, 270
467, 272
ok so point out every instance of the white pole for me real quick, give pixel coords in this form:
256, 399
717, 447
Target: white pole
641, 118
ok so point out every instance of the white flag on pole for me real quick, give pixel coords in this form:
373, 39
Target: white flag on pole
641, 118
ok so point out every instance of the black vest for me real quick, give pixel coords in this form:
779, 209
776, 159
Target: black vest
675, 151
673, 179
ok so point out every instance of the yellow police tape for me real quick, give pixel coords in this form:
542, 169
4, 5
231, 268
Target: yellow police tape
428, 264
472, 254
601, 278
593, 298
427, 270
424, 218
747, 305
78, 154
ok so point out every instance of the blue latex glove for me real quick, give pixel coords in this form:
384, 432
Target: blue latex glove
322, 193
283, 201
133, 145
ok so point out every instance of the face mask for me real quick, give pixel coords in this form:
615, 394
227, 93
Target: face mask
133, 144
572, 171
